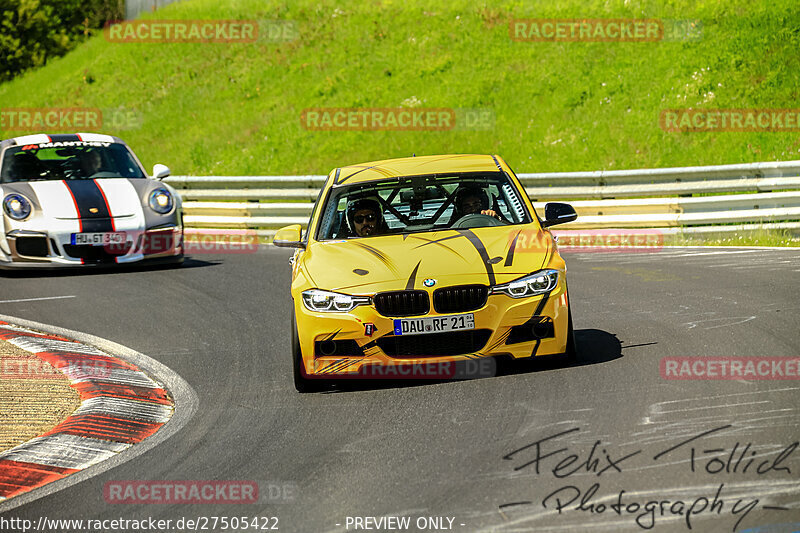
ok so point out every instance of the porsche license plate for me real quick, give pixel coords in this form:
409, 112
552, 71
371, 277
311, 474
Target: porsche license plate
99, 239
433, 324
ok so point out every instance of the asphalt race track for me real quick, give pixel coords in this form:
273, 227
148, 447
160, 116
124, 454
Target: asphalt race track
465, 450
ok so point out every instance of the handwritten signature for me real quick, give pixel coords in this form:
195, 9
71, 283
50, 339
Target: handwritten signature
545, 455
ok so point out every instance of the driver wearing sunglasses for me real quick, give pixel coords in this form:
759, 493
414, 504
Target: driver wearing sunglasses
365, 217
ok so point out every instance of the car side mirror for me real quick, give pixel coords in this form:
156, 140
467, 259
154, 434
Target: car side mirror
289, 237
160, 171
558, 213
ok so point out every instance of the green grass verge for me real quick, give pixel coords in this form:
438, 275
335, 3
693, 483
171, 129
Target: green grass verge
760, 237
234, 109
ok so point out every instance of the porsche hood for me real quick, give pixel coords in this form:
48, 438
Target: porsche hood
90, 201
80, 199
485, 256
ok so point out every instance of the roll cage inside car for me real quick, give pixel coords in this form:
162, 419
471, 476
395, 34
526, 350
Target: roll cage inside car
413, 204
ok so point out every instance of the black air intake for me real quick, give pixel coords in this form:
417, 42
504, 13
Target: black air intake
402, 303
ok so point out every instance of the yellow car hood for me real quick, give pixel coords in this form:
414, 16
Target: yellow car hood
395, 262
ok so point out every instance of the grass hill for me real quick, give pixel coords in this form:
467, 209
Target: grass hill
235, 108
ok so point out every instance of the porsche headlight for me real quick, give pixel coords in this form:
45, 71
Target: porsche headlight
17, 206
317, 300
161, 201
531, 285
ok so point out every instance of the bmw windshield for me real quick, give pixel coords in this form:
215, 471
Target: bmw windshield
421, 203
68, 161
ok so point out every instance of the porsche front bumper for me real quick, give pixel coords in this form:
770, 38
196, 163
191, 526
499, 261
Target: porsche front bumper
52, 249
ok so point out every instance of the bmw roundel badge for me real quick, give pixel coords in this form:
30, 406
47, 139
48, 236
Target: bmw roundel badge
430, 282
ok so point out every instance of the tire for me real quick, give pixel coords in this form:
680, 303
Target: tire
301, 383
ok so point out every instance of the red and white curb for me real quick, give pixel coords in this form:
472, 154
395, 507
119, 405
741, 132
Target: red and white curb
120, 407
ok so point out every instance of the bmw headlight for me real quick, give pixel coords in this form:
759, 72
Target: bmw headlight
317, 300
531, 285
161, 201
17, 206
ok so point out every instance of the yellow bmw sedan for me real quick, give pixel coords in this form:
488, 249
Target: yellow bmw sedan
424, 263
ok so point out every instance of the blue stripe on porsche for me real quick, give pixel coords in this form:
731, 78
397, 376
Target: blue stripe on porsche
88, 196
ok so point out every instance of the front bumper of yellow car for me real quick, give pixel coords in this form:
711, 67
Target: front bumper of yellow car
362, 343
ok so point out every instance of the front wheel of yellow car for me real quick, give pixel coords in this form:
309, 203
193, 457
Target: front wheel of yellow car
301, 382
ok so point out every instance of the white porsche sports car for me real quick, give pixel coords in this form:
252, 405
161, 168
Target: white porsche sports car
81, 200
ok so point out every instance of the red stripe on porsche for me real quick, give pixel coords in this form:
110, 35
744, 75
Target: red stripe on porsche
108, 206
105, 427
77, 210
108, 210
17, 477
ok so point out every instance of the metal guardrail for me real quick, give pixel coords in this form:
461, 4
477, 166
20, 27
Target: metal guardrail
646, 198
134, 8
